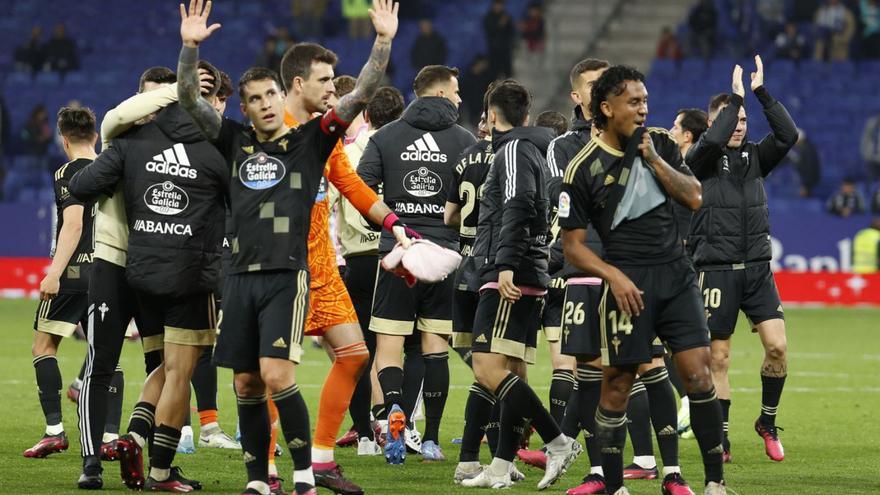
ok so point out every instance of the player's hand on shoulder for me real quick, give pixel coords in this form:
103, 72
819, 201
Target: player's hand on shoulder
506, 287
758, 75
194, 22
384, 17
626, 294
737, 86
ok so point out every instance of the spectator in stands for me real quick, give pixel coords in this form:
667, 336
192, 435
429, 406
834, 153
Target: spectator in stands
499, 37
668, 46
474, 82
309, 15
29, 56
870, 146
357, 13
805, 160
703, 22
532, 28
429, 47
869, 13
37, 135
269, 57
836, 26
61, 52
790, 43
866, 249
847, 201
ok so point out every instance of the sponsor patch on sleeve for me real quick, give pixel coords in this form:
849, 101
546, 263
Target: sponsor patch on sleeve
564, 205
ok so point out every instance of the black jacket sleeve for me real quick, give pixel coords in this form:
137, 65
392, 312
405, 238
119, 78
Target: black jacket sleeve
703, 156
783, 132
518, 189
101, 176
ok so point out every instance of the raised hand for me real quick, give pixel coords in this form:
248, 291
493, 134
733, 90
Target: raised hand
758, 75
738, 81
194, 23
384, 17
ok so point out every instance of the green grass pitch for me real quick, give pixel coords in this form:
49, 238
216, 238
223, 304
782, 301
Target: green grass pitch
829, 411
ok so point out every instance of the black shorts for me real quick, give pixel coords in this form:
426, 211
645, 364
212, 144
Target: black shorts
673, 312
502, 327
190, 320
397, 309
464, 309
726, 292
264, 315
551, 318
580, 327
60, 315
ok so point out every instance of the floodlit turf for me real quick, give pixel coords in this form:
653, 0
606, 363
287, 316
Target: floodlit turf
829, 411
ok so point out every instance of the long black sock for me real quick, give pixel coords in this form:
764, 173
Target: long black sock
413, 375
294, 418
510, 431
517, 394
638, 415
706, 423
589, 389
561, 386
152, 360
253, 419
725, 422
664, 414
82, 369
391, 379
492, 427
142, 419
359, 408
771, 392
611, 433
436, 390
114, 401
477, 410
674, 377
165, 441
379, 412
49, 387
570, 424
204, 382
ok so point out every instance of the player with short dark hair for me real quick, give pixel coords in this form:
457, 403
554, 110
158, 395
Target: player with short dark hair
277, 174
154, 77
640, 243
512, 252
552, 120
730, 241
430, 76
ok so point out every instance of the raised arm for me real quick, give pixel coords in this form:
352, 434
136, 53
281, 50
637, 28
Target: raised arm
384, 17
193, 30
703, 155
783, 131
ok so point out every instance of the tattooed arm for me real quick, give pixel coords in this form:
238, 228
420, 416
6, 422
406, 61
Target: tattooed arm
384, 16
194, 30
682, 187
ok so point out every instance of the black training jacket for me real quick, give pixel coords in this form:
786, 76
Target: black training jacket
513, 230
732, 227
175, 185
413, 158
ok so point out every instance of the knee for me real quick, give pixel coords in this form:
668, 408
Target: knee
248, 385
720, 360
776, 351
488, 376
277, 378
698, 380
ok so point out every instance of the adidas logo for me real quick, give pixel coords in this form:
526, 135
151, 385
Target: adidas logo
297, 443
481, 339
172, 161
717, 450
248, 457
668, 430
280, 343
424, 149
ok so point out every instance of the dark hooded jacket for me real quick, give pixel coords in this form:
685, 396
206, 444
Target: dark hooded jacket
175, 185
413, 159
514, 229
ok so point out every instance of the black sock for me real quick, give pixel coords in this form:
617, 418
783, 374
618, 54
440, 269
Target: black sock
493, 425
391, 379
379, 412
435, 392
611, 433
49, 387
204, 382
664, 413
570, 424
477, 410
294, 418
510, 431
114, 401
706, 423
413, 375
674, 377
152, 360
165, 441
142, 419
253, 419
638, 419
589, 389
358, 408
771, 392
517, 394
466, 355
561, 386
725, 422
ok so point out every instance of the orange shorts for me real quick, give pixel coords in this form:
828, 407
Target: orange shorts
329, 305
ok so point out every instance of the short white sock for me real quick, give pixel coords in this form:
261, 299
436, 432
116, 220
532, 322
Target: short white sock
645, 461
469, 464
55, 429
137, 438
209, 428
597, 470
671, 469
109, 437
259, 486
322, 455
499, 467
558, 443
159, 474
186, 430
304, 476
273, 469
78, 383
